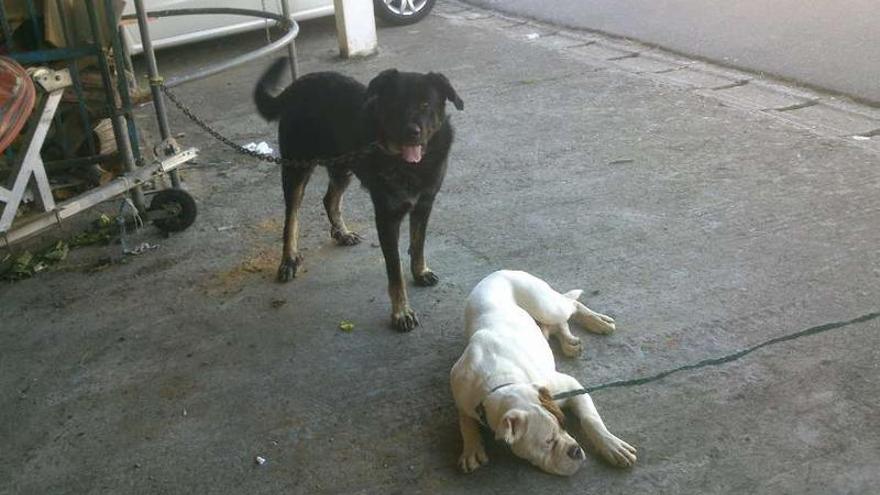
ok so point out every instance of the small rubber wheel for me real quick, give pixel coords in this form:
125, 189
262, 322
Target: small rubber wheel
402, 12
175, 208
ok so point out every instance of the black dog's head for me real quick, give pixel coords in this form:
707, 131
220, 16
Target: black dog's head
408, 108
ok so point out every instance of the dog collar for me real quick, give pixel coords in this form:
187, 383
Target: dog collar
481, 410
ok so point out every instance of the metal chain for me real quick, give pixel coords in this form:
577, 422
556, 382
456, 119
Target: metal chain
343, 159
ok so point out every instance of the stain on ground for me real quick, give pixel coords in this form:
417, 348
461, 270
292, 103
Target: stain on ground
260, 264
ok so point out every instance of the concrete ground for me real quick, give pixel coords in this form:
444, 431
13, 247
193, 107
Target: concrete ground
828, 44
705, 227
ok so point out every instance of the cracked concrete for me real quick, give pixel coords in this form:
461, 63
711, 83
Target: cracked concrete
703, 228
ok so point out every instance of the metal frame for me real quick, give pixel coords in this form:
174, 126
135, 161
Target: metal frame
30, 163
285, 19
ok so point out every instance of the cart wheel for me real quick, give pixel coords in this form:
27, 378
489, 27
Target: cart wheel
175, 210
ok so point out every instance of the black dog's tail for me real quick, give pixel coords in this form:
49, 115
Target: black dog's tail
268, 105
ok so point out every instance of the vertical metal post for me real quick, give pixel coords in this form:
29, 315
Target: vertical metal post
35, 23
291, 47
155, 79
73, 67
120, 131
121, 80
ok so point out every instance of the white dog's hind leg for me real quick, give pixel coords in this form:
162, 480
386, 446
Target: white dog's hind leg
473, 454
613, 449
571, 346
592, 321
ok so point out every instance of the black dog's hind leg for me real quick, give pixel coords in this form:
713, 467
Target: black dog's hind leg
403, 318
418, 226
339, 180
294, 181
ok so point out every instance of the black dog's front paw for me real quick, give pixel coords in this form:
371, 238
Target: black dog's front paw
404, 321
288, 267
345, 237
426, 279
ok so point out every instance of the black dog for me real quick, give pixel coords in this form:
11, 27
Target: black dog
327, 114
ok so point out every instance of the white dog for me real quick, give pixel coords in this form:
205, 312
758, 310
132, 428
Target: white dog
506, 378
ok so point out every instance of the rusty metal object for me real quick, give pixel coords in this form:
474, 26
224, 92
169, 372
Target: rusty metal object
17, 97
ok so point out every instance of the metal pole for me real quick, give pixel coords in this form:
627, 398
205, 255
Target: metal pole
293, 30
291, 26
35, 24
291, 48
121, 79
74, 76
155, 79
120, 130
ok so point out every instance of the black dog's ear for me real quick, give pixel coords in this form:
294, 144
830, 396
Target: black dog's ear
382, 80
445, 87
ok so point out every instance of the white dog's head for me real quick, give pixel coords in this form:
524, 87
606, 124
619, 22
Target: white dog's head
534, 432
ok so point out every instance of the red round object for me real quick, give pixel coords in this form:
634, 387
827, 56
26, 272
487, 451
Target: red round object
17, 96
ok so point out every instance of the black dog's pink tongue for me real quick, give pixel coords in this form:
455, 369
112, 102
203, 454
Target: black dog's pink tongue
412, 154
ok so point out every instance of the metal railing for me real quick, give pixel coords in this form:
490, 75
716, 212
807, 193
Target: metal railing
107, 45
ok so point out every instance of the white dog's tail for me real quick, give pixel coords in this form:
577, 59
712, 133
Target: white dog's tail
574, 295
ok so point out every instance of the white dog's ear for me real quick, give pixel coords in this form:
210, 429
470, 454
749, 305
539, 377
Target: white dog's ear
512, 426
574, 294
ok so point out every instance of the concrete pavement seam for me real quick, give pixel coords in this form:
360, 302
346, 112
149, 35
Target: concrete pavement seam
822, 114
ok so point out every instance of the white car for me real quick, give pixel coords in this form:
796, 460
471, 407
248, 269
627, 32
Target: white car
178, 30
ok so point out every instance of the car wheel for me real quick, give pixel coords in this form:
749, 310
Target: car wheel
402, 12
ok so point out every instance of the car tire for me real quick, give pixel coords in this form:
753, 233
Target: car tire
400, 13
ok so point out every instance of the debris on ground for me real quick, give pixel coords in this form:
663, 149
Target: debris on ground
262, 147
277, 303
56, 253
19, 268
26, 265
260, 460
346, 326
100, 232
141, 249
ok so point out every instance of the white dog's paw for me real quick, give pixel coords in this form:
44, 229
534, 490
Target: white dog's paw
606, 318
471, 460
617, 452
599, 323
571, 346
